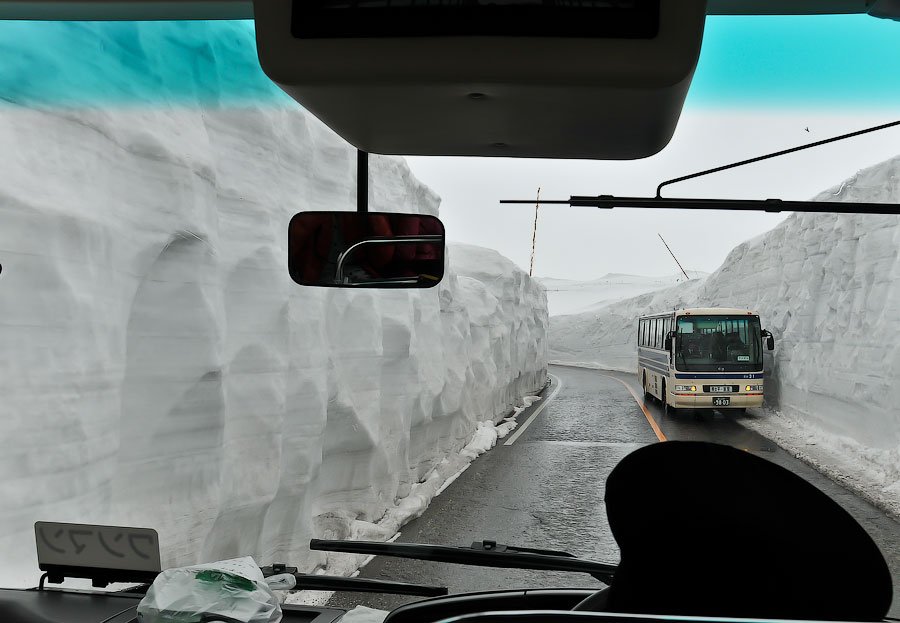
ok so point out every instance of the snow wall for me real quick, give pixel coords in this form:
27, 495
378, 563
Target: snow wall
159, 367
828, 287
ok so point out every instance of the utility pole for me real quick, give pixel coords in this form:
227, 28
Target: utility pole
673, 257
537, 205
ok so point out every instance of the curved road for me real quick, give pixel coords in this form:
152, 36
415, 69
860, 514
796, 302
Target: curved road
543, 487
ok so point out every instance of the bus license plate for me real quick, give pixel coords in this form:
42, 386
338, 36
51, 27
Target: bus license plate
721, 402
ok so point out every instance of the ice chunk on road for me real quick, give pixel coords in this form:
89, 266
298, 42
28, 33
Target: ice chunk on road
363, 614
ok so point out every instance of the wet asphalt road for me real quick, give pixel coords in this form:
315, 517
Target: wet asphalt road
546, 489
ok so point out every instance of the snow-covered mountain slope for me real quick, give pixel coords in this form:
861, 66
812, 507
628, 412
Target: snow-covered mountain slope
565, 296
828, 287
605, 337
160, 369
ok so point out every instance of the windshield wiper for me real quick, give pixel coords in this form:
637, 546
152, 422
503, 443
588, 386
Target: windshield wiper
766, 205
479, 554
311, 582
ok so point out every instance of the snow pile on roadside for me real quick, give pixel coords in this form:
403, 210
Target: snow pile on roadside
485, 437
565, 296
161, 370
828, 287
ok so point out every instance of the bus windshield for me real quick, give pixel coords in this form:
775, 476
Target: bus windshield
718, 344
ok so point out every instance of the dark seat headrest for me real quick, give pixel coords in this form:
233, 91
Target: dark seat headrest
710, 530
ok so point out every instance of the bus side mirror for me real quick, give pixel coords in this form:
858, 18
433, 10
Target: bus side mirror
668, 342
770, 339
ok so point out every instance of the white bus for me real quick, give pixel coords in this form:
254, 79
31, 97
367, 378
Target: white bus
708, 358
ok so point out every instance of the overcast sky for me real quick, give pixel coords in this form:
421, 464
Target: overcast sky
759, 85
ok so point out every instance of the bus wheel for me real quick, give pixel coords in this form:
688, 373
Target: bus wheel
648, 397
668, 410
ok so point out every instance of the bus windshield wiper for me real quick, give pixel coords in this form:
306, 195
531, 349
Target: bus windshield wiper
479, 554
312, 582
765, 205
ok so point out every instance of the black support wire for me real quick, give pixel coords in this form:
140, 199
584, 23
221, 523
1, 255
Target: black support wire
776, 154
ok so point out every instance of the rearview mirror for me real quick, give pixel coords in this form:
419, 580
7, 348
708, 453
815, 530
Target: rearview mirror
770, 339
668, 343
366, 250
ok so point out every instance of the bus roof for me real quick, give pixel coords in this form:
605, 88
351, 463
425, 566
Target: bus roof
705, 311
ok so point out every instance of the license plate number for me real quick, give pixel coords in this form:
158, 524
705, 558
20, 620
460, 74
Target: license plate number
720, 389
721, 402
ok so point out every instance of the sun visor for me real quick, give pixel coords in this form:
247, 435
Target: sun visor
594, 79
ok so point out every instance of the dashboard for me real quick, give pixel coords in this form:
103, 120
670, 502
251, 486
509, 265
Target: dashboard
67, 606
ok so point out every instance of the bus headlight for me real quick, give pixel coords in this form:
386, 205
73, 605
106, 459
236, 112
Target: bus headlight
685, 388
753, 388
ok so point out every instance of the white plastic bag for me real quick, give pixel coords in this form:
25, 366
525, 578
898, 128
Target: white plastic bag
230, 591
282, 582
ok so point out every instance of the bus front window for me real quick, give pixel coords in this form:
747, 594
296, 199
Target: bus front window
718, 344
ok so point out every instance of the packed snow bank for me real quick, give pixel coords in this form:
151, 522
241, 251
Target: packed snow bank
828, 287
485, 437
565, 296
160, 369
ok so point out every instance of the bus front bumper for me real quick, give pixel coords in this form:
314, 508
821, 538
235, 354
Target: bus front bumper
705, 401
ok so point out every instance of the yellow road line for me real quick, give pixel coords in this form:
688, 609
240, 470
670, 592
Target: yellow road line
647, 414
